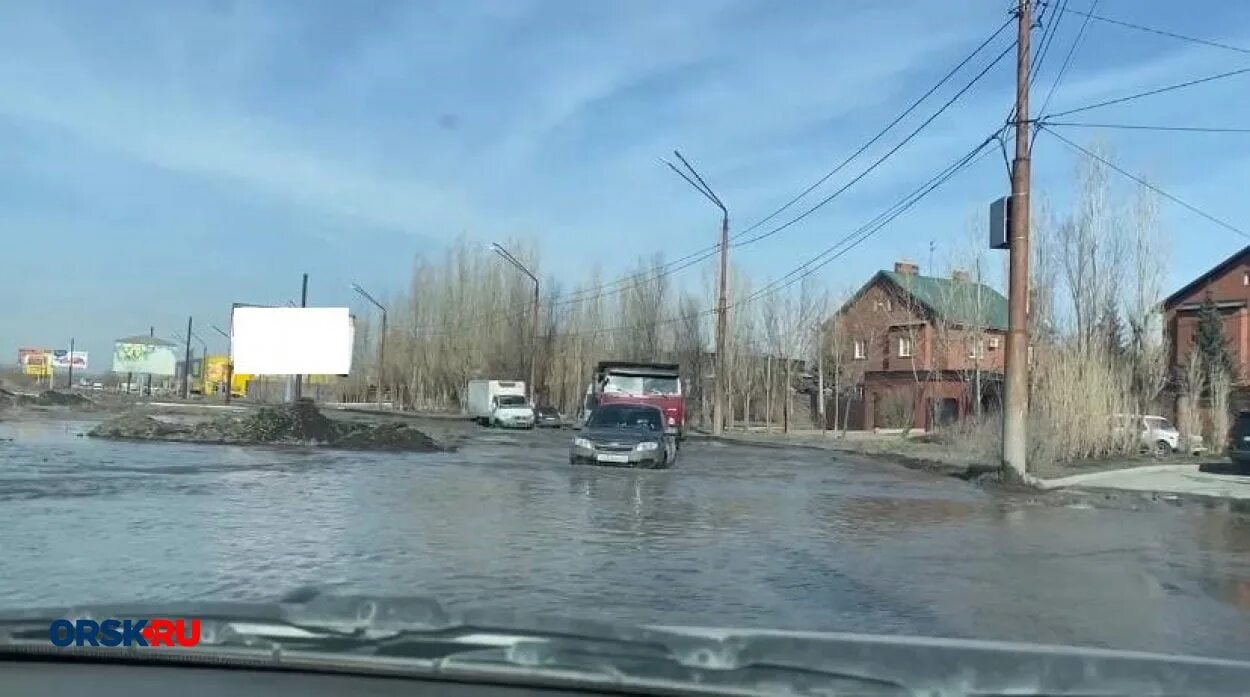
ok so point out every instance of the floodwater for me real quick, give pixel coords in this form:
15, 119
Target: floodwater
733, 536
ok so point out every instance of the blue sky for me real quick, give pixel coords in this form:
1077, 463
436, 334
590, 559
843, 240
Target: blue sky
164, 159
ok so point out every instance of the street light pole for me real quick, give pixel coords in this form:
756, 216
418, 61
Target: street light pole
498, 249
722, 301
229, 363
381, 340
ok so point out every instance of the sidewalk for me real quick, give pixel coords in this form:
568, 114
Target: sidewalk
1216, 480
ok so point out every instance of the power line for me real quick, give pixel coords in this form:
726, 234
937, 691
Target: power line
707, 252
1162, 32
1067, 60
1048, 37
912, 107
703, 253
837, 250
884, 157
871, 227
1148, 185
1148, 93
1144, 127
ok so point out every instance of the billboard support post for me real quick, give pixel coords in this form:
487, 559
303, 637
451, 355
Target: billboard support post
303, 302
69, 380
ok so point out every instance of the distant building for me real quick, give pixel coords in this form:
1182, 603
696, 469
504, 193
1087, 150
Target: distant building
1228, 285
916, 351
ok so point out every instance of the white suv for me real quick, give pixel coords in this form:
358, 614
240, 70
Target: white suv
1158, 435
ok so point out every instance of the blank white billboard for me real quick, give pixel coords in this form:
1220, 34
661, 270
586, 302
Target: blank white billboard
291, 340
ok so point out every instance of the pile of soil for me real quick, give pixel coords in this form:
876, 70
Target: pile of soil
300, 423
52, 398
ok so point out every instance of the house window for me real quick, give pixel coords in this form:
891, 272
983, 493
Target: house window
861, 350
993, 342
859, 392
976, 348
904, 347
1245, 278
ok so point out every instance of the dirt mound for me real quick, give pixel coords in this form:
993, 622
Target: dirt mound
53, 398
134, 427
300, 423
389, 436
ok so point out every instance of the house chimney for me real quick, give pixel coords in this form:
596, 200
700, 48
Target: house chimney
906, 268
959, 275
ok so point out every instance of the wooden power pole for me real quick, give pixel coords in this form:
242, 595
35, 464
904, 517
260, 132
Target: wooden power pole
1016, 377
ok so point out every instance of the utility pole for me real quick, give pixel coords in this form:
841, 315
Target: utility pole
722, 301
303, 302
229, 363
1016, 384
820, 374
381, 339
498, 249
186, 364
69, 382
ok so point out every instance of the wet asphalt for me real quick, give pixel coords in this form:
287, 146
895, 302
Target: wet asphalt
733, 535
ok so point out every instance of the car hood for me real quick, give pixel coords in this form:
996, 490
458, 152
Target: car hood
619, 435
419, 636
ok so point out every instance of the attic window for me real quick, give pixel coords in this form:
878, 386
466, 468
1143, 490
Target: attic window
993, 342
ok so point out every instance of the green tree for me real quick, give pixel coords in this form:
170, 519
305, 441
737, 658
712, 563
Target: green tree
1210, 342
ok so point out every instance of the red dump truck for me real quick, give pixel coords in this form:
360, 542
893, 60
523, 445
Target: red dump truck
650, 383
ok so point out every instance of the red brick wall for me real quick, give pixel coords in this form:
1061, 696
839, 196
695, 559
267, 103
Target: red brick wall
1229, 286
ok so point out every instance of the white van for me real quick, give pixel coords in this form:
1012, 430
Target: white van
500, 403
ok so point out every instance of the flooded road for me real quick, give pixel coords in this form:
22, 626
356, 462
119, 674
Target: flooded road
734, 535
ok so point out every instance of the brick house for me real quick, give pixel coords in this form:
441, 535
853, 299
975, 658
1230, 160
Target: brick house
1228, 284
918, 350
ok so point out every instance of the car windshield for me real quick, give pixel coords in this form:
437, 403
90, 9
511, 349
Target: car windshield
627, 416
905, 318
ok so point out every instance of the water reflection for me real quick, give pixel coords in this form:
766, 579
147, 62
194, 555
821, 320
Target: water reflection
747, 537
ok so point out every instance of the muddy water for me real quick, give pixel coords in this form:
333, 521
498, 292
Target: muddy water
732, 536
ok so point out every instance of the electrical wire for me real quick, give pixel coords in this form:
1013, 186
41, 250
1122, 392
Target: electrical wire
835, 251
1162, 32
1192, 208
1148, 93
1144, 127
884, 157
1067, 60
693, 259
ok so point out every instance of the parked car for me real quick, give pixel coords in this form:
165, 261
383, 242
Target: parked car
1239, 441
627, 435
548, 417
1157, 435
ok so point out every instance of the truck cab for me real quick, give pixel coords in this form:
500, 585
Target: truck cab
648, 383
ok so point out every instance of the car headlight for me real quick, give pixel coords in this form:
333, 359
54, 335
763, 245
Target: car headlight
646, 446
582, 443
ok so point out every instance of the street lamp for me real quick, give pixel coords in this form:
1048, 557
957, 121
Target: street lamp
382, 340
498, 249
229, 362
722, 309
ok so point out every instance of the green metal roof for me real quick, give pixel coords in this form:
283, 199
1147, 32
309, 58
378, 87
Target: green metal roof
960, 302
